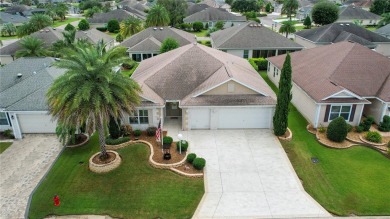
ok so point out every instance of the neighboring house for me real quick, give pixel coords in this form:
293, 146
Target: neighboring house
343, 79
304, 12
213, 15
23, 88
140, 14
205, 88
139, 5
278, 8
16, 9
147, 43
360, 3
110, 4
118, 14
15, 19
252, 40
194, 8
338, 32
51, 1
33, 11
384, 31
352, 13
49, 36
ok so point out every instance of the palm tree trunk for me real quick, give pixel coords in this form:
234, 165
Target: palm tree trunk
102, 138
286, 34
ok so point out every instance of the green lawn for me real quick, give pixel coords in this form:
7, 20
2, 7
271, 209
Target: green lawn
370, 28
68, 20
199, 34
348, 181
130, 72
4, 146
134, 190
8, 37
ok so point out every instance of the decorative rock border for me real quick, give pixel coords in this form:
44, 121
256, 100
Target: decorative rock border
78, 145
192, 175
105, 168
288, 138
371, 143
118, 146
308, 129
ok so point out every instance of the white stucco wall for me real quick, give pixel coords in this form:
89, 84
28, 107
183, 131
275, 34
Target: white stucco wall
223, 89
4, 60
383, 48
356, 118
377, 109
239, 53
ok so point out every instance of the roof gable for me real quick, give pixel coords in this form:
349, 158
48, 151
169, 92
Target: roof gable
118, 14
353, 12
148, 44
213, 14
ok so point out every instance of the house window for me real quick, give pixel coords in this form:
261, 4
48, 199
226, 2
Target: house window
3, 119
139, 117
246, 54
343, 111
136, 57
146, 56
274, 71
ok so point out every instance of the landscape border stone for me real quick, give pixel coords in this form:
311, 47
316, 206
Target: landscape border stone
288, 138
78, 145
105, 168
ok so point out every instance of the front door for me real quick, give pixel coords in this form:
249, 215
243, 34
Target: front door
173, 110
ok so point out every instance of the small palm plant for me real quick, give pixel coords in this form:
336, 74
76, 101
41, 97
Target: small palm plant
31, 46
287, 27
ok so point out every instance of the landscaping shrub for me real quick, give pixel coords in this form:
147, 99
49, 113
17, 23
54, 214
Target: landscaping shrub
199, 163
114, 128
374, 137
254, 19
219, 25
197, 26
117, 141
103, 29
126, 130
191, 157
384, 126
151, 131
113, 25
8, 133
137, 133
167, 140
119, 38
337, 130
83, 25
322, 129
211, 31
184, 145
185, 26
254, 65
367, 123
349, 127
359, 129
69, 27
259, 63
129, 64
261, 15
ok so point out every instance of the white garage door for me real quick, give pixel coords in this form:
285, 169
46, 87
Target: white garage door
234, 118
36, 123
200, 119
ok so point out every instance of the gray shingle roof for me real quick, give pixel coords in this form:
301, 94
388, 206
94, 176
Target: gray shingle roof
140, 13
11, 18
347, 36
250, 35
192, 9
148, 44
325, 70
50, 36
384, 31
213, 14
328, 33
118, 14
27, 93
353, 12
187, 72
138, 40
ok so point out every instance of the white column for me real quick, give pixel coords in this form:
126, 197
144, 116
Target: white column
15, 126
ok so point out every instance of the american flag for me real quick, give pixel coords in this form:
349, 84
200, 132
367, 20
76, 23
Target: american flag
158, 132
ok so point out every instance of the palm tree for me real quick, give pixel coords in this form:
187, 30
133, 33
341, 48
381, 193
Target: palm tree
102, 93
157, 16
8, 28
32, 46
290, 7
287, 27
40, 21
130, 26
385, 20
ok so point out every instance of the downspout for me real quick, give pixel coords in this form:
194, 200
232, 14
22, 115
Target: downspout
318, 110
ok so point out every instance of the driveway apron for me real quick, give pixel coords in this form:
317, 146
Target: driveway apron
23, 164
249, 175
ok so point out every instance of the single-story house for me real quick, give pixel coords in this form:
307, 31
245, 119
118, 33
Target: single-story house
384, 31
147, 43
138, 5
15, 19
304, 12
51, 35
140, 14
343, 79
17, 9
338, 32
204, 88
212, 15
359, 3
23, 88
252, 40
352, 13
101, 19
194, 8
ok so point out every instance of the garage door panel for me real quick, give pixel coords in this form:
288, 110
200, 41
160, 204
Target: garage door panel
36, 123
200, 118
232, 118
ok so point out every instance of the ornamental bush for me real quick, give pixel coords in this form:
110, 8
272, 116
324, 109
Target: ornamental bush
114, 128
184, 145
349, 127
191, 157
374, 137
337, 130
151, 131
113, 26
199, 163
359, 129
103, 29
137, 133
197, 26
126, 130
117, 141
384, 126
83, 25
366, 124
167, 140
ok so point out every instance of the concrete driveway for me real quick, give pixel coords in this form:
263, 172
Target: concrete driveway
249, 175
23, 164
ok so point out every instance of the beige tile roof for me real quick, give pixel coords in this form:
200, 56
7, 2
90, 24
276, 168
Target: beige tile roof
187, 72
326, 70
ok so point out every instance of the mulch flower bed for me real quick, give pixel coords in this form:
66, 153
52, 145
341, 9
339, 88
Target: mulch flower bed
188, 168
97, 160
324, 140
311, 129
3, 137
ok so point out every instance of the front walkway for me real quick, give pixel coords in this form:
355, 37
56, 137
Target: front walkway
249, 175
23, 164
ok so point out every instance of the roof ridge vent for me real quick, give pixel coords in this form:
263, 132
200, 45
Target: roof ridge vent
161, 28
154, 28
341, 24
19, 75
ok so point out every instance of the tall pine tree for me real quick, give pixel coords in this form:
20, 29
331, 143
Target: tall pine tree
280, 119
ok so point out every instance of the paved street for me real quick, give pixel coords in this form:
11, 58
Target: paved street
23, 164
